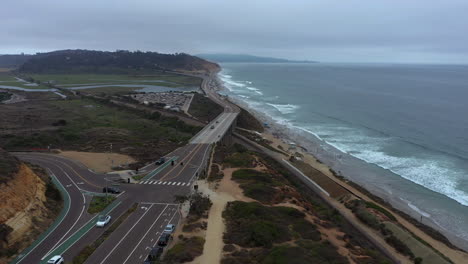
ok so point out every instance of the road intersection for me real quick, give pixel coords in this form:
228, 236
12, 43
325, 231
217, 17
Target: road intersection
154, 194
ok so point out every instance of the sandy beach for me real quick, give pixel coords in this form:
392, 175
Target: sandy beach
281, 140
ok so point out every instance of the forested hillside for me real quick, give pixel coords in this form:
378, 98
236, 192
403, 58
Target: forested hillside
86, 61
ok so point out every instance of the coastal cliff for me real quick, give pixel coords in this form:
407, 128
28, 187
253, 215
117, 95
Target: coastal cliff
28, 205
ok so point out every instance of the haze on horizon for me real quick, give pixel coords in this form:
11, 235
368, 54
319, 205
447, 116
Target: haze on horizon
401, 31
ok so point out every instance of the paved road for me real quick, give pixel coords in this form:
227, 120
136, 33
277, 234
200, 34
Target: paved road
133, 239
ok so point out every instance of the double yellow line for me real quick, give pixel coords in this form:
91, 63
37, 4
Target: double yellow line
189, 156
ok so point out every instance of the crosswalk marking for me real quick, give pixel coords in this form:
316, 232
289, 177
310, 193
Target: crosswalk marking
166, 183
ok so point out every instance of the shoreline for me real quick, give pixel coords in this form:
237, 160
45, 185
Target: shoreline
280, 137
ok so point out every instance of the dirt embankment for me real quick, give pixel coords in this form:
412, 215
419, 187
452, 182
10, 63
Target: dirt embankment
26, 209
99, 162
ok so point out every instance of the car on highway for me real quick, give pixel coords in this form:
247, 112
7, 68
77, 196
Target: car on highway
103, 220
164, 240
212, 127
160, 161
169, 229
110, 190
57, 259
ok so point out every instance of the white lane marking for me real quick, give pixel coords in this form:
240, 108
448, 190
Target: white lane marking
164, 183
174, 183
155, 182
178, 183
158, 203
126, 234
61, 253
82, 211
159, 182
139, 242
169, 222
120, 194
66, 213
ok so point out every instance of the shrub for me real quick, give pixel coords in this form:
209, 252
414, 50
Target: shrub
185, 250
399, 246
306, 229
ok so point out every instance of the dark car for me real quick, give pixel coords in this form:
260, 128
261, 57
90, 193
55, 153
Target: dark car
160, 161
155, 253
164, 240
110, 190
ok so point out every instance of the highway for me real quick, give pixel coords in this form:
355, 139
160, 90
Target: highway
154, 196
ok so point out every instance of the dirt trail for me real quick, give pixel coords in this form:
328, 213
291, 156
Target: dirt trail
227, 191
99, 162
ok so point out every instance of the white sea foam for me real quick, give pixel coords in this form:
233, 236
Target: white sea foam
229, 83
415, 208
256, 90
285, 108
434, 173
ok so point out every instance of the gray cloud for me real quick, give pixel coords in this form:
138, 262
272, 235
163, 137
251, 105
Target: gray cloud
325, 30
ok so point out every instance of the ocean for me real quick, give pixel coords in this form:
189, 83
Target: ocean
400, 131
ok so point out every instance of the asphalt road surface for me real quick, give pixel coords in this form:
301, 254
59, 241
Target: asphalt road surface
154, 196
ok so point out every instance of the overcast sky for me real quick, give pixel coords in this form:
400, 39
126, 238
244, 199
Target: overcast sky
324, 30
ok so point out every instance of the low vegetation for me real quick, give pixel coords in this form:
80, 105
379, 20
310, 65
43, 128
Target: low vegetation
247, 121
99, 203
257, 185
92, 125
4, 96
256, 225
199, 205
9, 165
268, 233
186, 250
84, 254
203, 108
266, 229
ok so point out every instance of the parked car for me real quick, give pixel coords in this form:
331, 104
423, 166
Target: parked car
160, 161
103, 220
164, 240
169, 229
154, 254
56, 260
110, 190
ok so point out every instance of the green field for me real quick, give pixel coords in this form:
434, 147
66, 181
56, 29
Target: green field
163, 79
9, 80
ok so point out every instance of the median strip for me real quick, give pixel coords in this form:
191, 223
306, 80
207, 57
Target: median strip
64, 246
86, 252
159, 169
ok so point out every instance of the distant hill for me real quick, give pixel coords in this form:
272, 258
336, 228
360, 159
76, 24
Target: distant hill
86, 61
13, 61
247, 58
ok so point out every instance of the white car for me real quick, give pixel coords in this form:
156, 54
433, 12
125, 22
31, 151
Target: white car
103, 220
169, 229
56, 260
